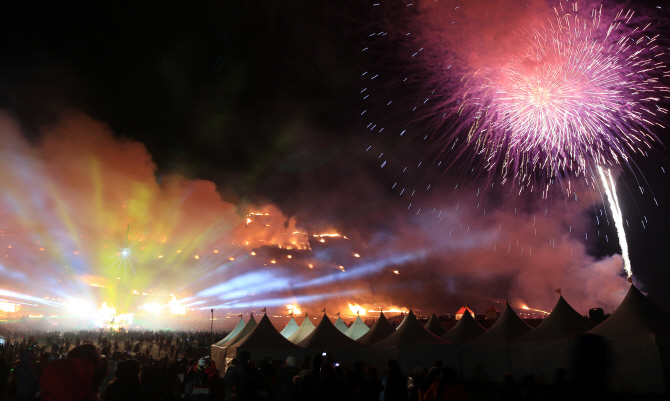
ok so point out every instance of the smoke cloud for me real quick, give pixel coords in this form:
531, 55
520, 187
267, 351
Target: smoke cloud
69, 199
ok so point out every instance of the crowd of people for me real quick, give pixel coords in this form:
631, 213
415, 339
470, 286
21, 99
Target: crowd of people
172, 365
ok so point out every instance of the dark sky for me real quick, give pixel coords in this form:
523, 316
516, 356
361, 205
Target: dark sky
263, 98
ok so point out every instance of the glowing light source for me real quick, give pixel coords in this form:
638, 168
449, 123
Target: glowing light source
294, 308
176, 308
8, 307
151, 307
357, 309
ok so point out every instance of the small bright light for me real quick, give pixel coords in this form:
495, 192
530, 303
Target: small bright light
396, 272
311, 266
289, 256
272, 261
357, 255
231, 258
216, 251
253, 253
125, 252
197, 256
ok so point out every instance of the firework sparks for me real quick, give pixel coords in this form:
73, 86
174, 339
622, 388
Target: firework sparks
581, 94
545, 105
608, 185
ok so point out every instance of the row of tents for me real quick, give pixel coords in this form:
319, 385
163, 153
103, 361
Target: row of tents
39, 323
637, 337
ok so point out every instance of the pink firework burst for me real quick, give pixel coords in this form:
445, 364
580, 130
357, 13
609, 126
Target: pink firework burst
581, 93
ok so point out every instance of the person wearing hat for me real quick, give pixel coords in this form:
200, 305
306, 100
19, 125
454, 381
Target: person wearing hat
199, 379
285, 375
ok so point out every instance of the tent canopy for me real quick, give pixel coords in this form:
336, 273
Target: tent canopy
434, 326
357, 329
379, 331
240, 325
411, 332
562, 323
466, 329
636, 315
264, 335
327, 336
248, 328
508, 327
290, 328
303, 330
339, 323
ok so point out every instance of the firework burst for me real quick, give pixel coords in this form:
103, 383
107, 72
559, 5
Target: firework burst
581, 94
537, 99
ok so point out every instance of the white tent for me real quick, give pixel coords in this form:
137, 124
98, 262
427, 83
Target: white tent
638, 335
290, 328
240, 325
487, 356
357, 329
412, 345
339, 323
218, 350
303, 330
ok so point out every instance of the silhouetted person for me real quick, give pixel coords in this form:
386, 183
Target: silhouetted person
372, 387
285, 375
90, 353
395, 387
446, 388
26, 375
126, 384
329, 388
69, 380
244, 379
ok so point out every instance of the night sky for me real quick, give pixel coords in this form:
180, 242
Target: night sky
264, 100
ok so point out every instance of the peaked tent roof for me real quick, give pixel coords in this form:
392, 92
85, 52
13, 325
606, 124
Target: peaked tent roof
411, 333
636, 315
339, 323
326, 335
236, 331
434, 326
563, 322
466, 329
302, 331
493, 309
357, 329
264, 335
379, 331
463, 309
402, 321
24, 319
248, 328
290, 328
508, 327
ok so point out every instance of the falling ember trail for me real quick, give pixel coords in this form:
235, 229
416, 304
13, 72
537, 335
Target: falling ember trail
618, 217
